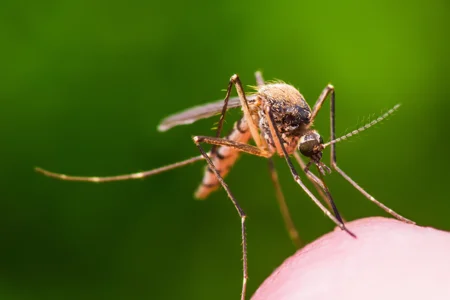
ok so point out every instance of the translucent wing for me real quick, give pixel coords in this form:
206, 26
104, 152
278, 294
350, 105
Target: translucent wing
193, 114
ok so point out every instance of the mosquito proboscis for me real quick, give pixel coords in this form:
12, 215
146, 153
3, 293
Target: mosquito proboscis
279, 121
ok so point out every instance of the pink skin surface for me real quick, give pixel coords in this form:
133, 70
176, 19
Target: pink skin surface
388, 260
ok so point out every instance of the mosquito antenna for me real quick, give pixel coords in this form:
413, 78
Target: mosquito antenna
361, 129
138, 175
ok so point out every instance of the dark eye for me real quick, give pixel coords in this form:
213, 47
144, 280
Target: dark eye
309, 144
307, 147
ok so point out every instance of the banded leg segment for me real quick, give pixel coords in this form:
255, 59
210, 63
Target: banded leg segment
239, 210
329, 90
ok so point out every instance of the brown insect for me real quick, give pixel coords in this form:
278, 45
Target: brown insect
279, 121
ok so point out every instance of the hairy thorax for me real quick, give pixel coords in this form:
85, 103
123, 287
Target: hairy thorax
291, 114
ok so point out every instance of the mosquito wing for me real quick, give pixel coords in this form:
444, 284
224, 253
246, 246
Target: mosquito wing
193, 114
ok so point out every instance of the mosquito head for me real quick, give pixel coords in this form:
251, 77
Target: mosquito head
311, 145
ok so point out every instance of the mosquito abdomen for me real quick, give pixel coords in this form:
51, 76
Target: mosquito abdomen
223, 159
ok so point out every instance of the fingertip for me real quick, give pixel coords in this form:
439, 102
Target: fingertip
389, 259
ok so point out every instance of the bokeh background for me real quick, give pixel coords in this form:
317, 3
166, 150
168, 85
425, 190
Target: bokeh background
83, 85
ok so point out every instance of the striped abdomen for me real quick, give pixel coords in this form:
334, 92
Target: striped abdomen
223, 159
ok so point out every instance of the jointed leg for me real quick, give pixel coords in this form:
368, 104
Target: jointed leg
277, 139
260, 143
222, 114
138, 175
242, 147
330, 90
238, 209
370, 197
290, 227
253, 129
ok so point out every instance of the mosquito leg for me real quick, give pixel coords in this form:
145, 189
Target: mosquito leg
245, 108
222, 114
235, 80
277, 138
289, 224
239, 210
370, 197
330, 90
318, 105
138, 175
242, 147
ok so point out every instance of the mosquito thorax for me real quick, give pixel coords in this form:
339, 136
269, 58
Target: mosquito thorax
311, 145
291, 113
290, 110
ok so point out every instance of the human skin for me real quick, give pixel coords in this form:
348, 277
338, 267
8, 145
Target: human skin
388, 260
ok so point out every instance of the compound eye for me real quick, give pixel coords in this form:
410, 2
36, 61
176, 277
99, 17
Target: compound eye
307, 147
310, 144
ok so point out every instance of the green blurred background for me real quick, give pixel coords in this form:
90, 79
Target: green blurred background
85, 83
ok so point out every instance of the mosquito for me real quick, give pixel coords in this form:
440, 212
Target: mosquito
279, 121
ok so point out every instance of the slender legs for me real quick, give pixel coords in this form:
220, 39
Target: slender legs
258, 151
138, 175
330, 90
277, 139
242, 147
288, 223
239, 210
260, 143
